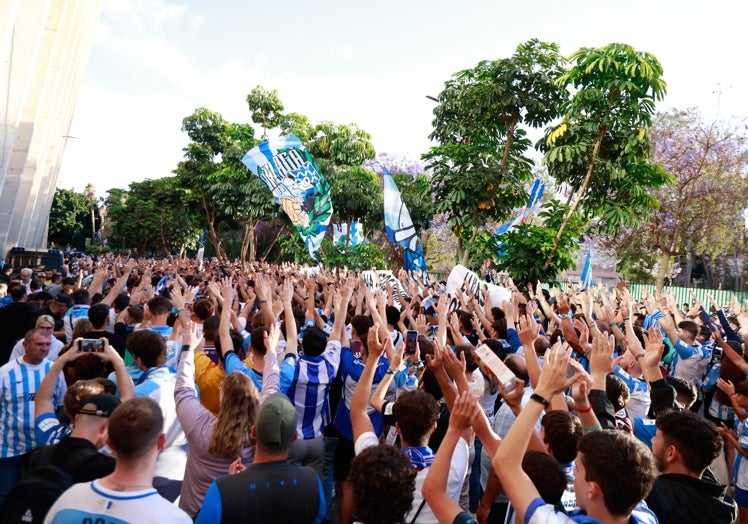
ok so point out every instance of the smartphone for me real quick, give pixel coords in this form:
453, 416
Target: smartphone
411, 340
492, 365
90, 345
356, 347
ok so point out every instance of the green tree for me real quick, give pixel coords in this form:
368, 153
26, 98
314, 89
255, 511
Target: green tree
481, 165
600, 149
151, 216
355, 195
299, 125
240, 193
68, 218
529, 245
201, 173
340, 144
266, 109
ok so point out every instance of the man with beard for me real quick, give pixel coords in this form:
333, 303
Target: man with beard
686, 491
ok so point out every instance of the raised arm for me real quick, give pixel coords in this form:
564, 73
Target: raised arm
507, 461
292, 333
360, 420
464, 412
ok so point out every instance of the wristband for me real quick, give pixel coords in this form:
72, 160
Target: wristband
185, 347
542, 400
592, 428
390, 371
563, 315
613, 324
589, 408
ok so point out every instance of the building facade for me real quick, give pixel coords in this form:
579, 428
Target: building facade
44, 47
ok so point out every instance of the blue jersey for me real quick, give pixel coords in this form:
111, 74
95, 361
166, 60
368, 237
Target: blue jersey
19, 382
310, 389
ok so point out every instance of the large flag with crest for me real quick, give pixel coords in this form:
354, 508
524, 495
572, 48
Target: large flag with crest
289, 171
399, 227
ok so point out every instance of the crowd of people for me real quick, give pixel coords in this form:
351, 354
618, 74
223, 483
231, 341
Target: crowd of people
137, 390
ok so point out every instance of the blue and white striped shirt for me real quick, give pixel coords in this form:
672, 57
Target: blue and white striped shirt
19, 382
310, 389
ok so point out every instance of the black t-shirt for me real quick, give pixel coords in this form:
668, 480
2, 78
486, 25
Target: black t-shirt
96, 466
270, 492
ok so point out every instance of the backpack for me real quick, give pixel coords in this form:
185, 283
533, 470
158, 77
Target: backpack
29, 501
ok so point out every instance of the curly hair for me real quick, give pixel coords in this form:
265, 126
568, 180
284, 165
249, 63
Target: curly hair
238, 411
383, 485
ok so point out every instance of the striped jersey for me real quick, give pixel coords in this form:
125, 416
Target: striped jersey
19, 382
310, 388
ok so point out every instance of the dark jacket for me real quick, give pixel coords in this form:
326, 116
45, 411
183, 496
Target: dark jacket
679, 498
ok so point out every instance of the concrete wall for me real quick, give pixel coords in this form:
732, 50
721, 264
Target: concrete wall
44, 48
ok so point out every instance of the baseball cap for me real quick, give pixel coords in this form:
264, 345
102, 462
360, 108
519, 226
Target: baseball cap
104, 405
275, 427
63, 298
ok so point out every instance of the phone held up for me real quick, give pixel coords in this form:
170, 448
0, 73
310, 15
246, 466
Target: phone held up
90, 345
411, 341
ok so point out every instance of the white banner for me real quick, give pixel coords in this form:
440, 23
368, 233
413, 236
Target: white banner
463, 279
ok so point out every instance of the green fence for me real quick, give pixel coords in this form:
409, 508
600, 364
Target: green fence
683, 294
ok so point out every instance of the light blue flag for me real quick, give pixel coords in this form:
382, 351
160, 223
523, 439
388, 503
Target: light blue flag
340, 232
289, 171
399, 227
587, 271
536, 192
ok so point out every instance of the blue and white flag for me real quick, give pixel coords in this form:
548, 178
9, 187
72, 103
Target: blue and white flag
289, 171
340, 232
586, 277
399, 227
536, 192
161, 286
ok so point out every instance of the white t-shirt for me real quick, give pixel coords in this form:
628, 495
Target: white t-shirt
92, 502
457, 471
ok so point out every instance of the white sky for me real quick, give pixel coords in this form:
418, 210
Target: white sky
370, 63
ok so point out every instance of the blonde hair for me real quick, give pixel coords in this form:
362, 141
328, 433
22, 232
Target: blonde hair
238, 411
45, 319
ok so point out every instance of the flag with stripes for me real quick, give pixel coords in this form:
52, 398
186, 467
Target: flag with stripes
400, 229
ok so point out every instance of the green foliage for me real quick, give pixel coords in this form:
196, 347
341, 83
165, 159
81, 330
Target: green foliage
299, 125
69, 218
363, 256
601, 149
529, 245
356, 195
342, 145
293, 249
481, 163
150, 216
266, 108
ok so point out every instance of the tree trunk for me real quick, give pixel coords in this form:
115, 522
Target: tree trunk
253, 243
247, 241
213, 239
663, 272
509, 136
272, 244
464, 254
577, 200
165, 244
